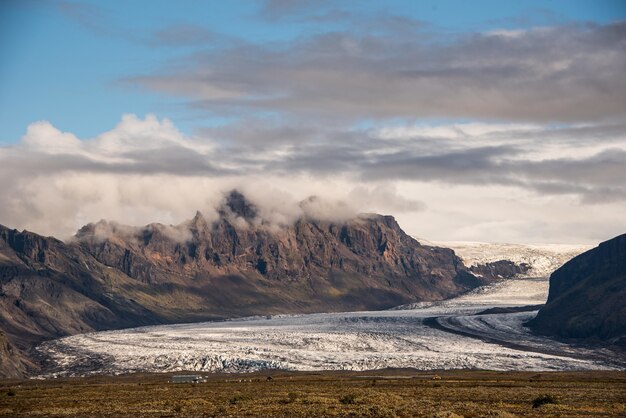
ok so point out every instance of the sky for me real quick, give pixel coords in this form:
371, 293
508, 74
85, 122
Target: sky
468, 121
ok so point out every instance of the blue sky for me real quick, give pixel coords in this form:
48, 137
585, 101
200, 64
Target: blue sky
63, 61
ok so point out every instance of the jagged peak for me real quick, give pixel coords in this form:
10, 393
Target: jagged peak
106, 230
198, 221
237, 204
237, 210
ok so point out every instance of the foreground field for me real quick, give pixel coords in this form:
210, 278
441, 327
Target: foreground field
389, 393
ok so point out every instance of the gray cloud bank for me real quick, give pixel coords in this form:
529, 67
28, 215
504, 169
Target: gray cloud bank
565, 73
145, 170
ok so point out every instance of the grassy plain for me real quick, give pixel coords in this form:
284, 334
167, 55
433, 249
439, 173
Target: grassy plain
383, 393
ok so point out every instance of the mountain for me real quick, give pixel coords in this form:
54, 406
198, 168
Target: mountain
50, 289
587, 297
115, 276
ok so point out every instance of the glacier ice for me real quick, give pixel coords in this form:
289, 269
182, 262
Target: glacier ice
396, 338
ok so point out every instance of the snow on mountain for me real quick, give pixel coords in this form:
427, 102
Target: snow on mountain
543, 258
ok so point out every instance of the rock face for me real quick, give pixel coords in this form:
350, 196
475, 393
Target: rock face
51, 289
114, 276
587, 296
13, 363
364, 263
501, 269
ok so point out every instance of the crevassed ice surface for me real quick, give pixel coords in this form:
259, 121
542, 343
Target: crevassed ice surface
444, 335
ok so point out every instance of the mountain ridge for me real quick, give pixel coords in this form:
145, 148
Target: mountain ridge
114, 276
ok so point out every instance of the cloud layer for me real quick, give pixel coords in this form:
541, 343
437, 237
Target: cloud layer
476, 181
502, 135
568, 73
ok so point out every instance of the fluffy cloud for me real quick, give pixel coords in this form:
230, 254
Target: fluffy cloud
516, 182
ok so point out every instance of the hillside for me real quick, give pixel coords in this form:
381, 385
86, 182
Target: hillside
114, 276
587, 297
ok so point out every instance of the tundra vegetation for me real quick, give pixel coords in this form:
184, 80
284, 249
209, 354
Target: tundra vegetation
397, 393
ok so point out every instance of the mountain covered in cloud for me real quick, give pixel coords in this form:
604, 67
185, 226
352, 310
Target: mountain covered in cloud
115, 276
367, 262
514, 182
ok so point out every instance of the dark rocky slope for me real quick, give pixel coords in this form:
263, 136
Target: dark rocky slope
50, 289
114, 276
587, 296
501, 269
13, 363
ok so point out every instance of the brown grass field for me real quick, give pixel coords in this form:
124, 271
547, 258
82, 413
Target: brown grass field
387, 393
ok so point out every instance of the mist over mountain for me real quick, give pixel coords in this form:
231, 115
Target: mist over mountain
114, 276
242, 262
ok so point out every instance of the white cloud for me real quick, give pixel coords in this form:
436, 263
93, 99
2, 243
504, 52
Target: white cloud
453, 131
439, 181
43, 137
507, 33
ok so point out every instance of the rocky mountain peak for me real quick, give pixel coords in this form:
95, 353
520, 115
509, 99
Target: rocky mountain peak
238, 205
367, 246
113, 275
198, 222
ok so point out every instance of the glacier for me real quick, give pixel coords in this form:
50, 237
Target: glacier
425, 336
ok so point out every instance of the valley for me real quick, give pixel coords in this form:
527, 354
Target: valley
398, 338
